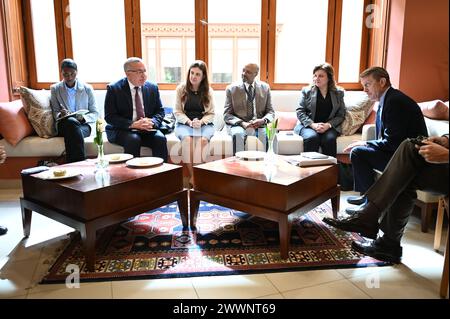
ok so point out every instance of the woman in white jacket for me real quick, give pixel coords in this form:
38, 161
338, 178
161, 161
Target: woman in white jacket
194, 113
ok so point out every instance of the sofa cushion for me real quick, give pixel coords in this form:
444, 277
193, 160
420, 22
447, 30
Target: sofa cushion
371, 119
358, 110
37, 106
436, 110
436, 127
14, 124
218, 122
288, 143
343, 141
35, 146
286, 120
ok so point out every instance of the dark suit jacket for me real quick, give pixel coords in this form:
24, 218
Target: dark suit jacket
306, 110
119, 106
401, 118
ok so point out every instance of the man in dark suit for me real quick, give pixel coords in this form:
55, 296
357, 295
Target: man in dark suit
398, 117
391, 198
134, 112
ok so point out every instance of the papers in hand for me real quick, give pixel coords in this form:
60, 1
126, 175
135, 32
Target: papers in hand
311, 159
81, 112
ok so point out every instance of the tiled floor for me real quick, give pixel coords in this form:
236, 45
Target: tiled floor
23, 263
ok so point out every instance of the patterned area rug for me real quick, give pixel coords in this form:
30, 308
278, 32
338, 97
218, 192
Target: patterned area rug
154, 245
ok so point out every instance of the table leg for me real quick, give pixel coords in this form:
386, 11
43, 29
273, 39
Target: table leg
26, 220
284, 226
88, 239
183, 207
194, 205
335, 205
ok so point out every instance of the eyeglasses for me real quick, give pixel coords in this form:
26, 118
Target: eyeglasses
66, 75
140, 72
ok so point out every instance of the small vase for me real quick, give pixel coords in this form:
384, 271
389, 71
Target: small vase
102, 162
270, 154
270, 160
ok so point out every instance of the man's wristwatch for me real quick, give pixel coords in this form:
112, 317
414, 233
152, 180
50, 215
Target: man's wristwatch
266, 121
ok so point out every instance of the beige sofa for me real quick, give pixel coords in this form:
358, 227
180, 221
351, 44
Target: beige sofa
33, 147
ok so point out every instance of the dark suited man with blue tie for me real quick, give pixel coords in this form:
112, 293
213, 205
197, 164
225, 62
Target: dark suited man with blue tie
134, 112
398, 117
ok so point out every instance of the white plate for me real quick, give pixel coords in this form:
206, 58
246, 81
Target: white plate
251, 155
49, 174
145, 161
117, 158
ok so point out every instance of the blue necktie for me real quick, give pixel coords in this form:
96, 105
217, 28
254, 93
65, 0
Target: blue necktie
378, 122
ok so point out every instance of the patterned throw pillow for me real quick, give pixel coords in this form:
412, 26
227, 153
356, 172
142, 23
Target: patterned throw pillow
37, 106
358, 111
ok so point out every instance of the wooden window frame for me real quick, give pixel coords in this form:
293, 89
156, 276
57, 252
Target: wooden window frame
268, 38
332, 45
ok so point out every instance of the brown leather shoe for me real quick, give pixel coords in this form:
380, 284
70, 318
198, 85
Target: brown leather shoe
377, 249
354, 224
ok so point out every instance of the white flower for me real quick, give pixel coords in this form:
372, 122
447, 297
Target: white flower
99, 128
101, 124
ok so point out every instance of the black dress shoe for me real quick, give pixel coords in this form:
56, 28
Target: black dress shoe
3, 230
357, 200
354, 224
379, 250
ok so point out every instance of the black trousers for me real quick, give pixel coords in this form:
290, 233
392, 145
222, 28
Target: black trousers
132, 142
313, 140
74, 133
364, 160
394, 192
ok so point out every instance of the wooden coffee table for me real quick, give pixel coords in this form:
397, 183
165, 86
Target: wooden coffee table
89, 202
275, 194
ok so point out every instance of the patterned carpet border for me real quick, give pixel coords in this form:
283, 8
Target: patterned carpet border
227, 242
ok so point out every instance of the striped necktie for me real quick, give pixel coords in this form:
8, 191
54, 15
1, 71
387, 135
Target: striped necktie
139, 108
250, 97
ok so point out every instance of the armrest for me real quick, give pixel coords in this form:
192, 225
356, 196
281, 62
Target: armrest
368, 132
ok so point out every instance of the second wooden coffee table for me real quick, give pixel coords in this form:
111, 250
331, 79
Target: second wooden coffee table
272, 192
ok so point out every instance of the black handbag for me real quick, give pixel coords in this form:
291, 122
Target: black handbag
168, 123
